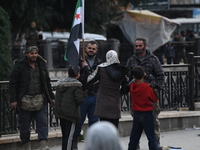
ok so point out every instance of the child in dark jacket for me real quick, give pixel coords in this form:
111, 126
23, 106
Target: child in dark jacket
69, 97
142, 96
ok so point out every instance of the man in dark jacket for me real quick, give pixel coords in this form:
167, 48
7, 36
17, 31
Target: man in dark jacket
30, 92
90, 90
179, 43
154, 74
31, 35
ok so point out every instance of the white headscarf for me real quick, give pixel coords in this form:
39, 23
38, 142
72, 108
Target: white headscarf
103, 136
111, 58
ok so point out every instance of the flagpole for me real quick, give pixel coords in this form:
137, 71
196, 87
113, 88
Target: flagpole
76, 34
83, 36
83, 49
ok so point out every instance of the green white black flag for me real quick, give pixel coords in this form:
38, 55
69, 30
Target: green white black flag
76, 34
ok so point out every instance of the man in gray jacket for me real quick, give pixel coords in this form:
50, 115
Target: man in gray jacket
154, 74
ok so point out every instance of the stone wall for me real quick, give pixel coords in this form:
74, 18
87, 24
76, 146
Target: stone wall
57, 74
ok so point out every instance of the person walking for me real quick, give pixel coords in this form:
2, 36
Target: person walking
30, 92
90, 90
69, 96
190, 41
31, 35
179, 46
142, 97
154, 74
110, 75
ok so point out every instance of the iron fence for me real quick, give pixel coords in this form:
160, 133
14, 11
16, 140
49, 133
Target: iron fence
9, 118
181, 89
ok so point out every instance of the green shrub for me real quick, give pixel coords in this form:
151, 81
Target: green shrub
5, 54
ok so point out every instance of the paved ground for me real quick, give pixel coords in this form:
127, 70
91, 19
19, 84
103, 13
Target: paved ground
188, 139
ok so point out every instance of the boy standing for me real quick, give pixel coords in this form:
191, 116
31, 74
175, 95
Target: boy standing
142, 96
69, 97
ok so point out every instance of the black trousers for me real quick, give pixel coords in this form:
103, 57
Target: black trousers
67, 129
113, 121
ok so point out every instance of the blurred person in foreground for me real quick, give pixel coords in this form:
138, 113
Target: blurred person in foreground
30, 92
154, 74
103, 136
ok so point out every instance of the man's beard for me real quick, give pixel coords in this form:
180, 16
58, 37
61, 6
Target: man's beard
32, 61
90, 55
140, 52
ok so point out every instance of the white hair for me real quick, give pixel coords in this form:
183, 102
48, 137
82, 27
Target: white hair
103, 136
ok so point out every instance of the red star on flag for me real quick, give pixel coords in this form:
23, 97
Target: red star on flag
76, 34
78, 16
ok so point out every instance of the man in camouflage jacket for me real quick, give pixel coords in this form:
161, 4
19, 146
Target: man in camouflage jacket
154, 74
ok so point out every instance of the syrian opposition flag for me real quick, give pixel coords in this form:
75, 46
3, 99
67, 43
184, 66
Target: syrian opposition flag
76, 34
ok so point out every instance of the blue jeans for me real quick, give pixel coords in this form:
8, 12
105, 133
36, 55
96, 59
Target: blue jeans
143, 121
25, 118
87, 108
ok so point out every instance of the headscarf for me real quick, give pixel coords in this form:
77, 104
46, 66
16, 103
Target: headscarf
103, 136
111, 58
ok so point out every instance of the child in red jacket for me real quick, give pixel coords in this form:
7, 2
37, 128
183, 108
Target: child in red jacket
142, 96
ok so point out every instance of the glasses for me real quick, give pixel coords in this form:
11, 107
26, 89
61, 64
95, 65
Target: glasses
91, 48
138, 45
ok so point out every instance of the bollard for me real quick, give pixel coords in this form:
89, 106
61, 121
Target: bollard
191, 80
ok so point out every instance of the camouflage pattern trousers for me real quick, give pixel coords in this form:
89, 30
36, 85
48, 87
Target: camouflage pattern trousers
156, 112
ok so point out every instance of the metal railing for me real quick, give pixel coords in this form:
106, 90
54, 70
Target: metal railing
175, 92
180, 89
8, 119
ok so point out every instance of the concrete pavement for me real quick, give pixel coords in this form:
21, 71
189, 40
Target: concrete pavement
173, 125
187, 139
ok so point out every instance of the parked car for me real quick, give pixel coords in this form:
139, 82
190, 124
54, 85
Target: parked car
65, 35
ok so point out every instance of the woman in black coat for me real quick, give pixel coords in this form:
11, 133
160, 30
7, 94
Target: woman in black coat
110, 75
